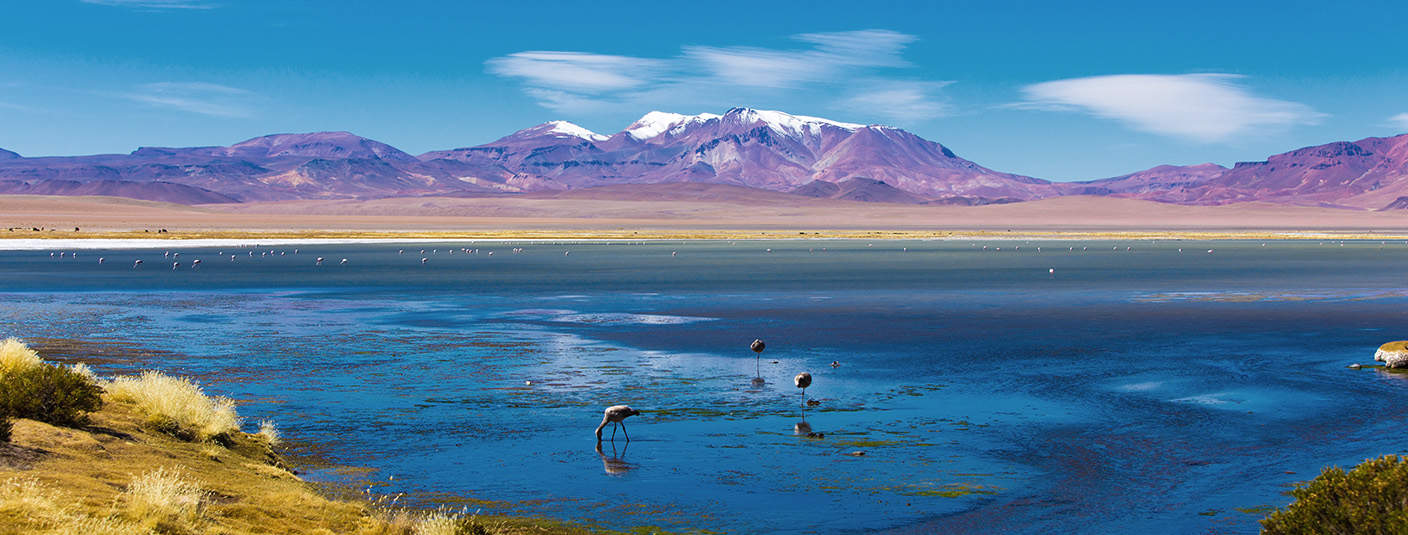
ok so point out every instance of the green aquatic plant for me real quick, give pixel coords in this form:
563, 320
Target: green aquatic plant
1370, 498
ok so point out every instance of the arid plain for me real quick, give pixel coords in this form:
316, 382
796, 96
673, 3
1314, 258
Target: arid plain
684, 210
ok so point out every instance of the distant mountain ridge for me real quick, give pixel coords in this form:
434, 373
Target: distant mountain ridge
760, 149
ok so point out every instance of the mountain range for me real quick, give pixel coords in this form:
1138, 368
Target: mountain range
759, 149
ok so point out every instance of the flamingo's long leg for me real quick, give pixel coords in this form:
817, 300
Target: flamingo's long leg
623, 431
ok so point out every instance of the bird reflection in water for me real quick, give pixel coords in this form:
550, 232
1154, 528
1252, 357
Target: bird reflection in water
614, 464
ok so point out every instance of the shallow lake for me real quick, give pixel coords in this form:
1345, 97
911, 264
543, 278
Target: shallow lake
1046, 387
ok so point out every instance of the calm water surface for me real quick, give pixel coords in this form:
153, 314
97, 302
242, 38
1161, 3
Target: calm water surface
1129, 391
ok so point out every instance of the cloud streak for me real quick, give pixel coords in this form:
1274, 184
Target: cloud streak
827, 65
201, 98
1399, 121
1199, 107
155, 5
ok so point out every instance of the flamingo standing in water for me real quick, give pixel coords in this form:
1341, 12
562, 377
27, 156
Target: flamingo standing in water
803, 380
757, 346
615, 414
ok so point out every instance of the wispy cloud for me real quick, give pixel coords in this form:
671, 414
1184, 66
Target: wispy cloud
827, 65
577, 71
1200, 107
1399, 121
202, 98
155, 4
899, 101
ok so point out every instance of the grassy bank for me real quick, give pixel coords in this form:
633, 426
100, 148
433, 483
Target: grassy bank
155, 454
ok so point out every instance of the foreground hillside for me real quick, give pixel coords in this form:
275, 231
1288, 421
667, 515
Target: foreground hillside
155, 455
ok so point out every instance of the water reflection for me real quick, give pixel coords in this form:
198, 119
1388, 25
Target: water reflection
802, 428
614, 464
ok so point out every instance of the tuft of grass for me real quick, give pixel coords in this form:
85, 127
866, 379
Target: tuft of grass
269, 433
31, 388
440, 522
84, 370
1367, 499
16, 356
163, 498
177, 406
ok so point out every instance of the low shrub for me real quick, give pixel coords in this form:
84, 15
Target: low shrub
5, 426
31, 388
177, 406
1370, 498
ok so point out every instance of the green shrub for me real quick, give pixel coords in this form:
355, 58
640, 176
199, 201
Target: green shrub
48, 393
1371, 498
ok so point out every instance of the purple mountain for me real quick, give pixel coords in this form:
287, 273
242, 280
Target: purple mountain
1369, 173
759, 149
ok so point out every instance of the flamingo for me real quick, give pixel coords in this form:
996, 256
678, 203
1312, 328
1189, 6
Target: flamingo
318, 261
757, 346
195, 263
615, 414
137, 263
101, 259
424, 260
343, 262
803, 380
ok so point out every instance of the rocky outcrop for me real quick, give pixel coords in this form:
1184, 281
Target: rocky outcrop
1393, 354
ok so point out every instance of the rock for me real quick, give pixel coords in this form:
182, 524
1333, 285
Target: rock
858, 453
1393, 354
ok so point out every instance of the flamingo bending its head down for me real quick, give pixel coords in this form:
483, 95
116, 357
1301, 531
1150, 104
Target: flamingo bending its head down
615, 414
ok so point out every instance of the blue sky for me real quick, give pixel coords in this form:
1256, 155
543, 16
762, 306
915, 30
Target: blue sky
1053, 90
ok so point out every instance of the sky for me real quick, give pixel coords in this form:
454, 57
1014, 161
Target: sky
1056, 90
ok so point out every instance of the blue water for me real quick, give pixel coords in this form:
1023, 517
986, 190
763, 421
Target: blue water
1128, 391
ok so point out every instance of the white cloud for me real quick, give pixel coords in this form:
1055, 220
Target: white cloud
828, 67
1199, 107
154, 4
1399, 121
195, 97
899, 101
576, 71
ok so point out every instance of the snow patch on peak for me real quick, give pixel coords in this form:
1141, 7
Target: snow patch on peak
658, 122
787, 123
568, 129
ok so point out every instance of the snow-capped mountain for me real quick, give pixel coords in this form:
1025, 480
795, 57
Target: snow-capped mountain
746, 147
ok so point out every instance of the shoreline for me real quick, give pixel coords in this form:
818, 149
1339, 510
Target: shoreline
143, 240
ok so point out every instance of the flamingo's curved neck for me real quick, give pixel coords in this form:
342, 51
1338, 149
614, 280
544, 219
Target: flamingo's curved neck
602, 426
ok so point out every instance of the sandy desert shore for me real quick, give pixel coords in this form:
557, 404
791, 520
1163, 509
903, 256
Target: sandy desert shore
667, 212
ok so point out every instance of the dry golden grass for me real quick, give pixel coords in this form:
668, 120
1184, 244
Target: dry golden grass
16, 356
163, 497
269, 433
176, 405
